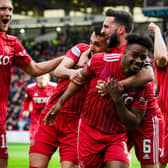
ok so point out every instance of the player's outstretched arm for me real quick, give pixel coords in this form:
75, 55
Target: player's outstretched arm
160, 49
36, 69
64, 69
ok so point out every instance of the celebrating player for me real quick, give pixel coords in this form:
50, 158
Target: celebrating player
161, 74
101, 133
37, 93
12, 51
63, 133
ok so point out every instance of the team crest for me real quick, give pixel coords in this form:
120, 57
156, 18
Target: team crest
7, 49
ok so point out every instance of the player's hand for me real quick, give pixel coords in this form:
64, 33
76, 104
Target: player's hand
73, 73
84, 58
153, 27
102, 88
115, 88
52, 113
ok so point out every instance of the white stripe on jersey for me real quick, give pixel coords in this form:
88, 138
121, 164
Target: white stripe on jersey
89, 62
79, 124
111, 57
26, 95
155, 139
31, 85
76, 51
52, 83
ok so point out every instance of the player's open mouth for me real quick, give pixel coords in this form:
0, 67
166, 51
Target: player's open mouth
5, 21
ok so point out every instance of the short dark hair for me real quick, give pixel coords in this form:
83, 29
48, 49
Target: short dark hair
122, 17
140, 39
97, 30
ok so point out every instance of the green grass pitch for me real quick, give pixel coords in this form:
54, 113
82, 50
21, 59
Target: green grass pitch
18, 157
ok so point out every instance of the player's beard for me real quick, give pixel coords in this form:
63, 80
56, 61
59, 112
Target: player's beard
114, 40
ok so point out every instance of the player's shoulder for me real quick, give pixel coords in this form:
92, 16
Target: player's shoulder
31, 85
109, 57
98, 55
79, 48
50, 83
82, 45
8, 37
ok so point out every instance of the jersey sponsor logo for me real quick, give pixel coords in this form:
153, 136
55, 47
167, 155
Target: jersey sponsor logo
4, 60
76, 51
146, 156
111, 57
127, 99
40, 100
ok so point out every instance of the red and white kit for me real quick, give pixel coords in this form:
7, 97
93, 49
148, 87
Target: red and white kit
39, 98
161, 75
11, 52
64, 132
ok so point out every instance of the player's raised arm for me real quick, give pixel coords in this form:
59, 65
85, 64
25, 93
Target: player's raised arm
160, 50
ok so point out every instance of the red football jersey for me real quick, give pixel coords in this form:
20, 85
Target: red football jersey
11, 52
100, 111
74, 105
161, 76
39, 97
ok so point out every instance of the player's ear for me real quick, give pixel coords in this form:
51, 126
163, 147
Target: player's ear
121, 29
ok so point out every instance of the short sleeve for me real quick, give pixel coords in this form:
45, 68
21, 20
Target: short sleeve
75, 52
21, 57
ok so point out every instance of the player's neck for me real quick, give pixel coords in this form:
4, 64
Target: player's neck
122, 43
